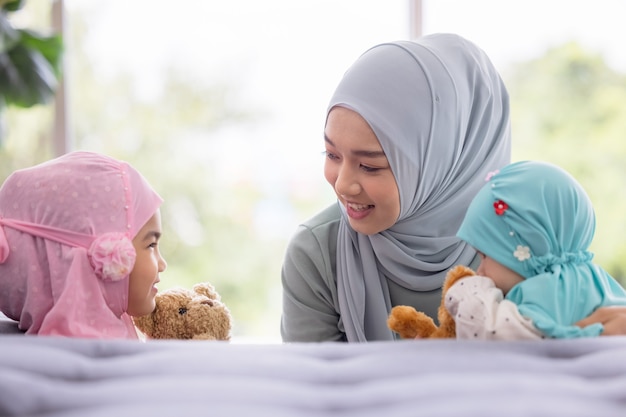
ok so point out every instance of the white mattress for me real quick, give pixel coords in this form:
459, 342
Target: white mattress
47, 376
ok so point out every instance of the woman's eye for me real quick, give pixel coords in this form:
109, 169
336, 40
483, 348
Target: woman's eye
331, 156
369, 169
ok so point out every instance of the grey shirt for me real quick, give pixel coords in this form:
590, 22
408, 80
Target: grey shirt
310, 303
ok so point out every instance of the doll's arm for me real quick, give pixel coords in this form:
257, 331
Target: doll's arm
480, 312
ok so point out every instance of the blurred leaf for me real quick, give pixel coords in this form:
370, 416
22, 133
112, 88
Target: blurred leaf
26, 77
12, 5
50, 47
30, 64
8, 36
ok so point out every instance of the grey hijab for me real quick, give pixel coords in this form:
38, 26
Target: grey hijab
441, 113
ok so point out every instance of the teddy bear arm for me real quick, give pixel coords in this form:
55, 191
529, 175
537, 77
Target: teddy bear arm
447, 325
410, 323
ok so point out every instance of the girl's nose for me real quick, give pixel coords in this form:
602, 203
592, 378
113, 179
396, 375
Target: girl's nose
162, 264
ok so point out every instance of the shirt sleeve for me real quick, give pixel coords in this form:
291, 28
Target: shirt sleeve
309, 313
481, 312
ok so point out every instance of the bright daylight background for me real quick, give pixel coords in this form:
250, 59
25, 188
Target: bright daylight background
222, 103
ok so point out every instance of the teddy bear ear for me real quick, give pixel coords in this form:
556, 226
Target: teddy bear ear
206, 289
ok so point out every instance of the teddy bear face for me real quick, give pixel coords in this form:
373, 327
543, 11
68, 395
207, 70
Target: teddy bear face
185, 314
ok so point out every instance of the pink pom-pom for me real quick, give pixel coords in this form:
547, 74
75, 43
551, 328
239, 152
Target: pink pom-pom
112, 256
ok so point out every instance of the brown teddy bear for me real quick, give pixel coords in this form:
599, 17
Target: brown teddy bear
184, 314
410, 323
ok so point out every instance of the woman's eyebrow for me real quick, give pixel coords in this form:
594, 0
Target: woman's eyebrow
359, 152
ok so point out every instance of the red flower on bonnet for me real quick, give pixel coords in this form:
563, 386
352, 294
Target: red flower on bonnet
500, 207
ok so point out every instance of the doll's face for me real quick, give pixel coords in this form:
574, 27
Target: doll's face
359, 172
149, 263
503, 277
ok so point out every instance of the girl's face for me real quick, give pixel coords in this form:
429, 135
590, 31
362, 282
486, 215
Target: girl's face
359, 172
503, 277
148, 264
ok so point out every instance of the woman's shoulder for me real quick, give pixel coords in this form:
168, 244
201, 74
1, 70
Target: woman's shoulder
319, 231
327, 218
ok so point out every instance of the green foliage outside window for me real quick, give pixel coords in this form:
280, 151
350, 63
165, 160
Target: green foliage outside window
29, 63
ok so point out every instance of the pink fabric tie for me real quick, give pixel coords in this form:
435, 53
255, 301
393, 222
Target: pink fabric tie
67, 237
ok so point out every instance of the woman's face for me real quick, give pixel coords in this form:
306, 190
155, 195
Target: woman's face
149, 263
359, 172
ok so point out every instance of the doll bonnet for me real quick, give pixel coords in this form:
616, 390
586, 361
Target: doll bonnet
536, 219
66, 230
531, 216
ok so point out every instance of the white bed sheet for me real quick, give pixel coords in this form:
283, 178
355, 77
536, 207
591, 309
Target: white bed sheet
47, 376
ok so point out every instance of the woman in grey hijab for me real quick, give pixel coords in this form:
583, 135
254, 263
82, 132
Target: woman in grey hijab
412, 131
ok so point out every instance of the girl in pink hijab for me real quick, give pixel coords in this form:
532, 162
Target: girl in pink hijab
79, 247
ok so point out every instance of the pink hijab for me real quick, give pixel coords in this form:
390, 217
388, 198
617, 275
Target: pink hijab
66, 228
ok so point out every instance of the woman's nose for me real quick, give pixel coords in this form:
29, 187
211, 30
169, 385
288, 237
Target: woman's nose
347, 183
